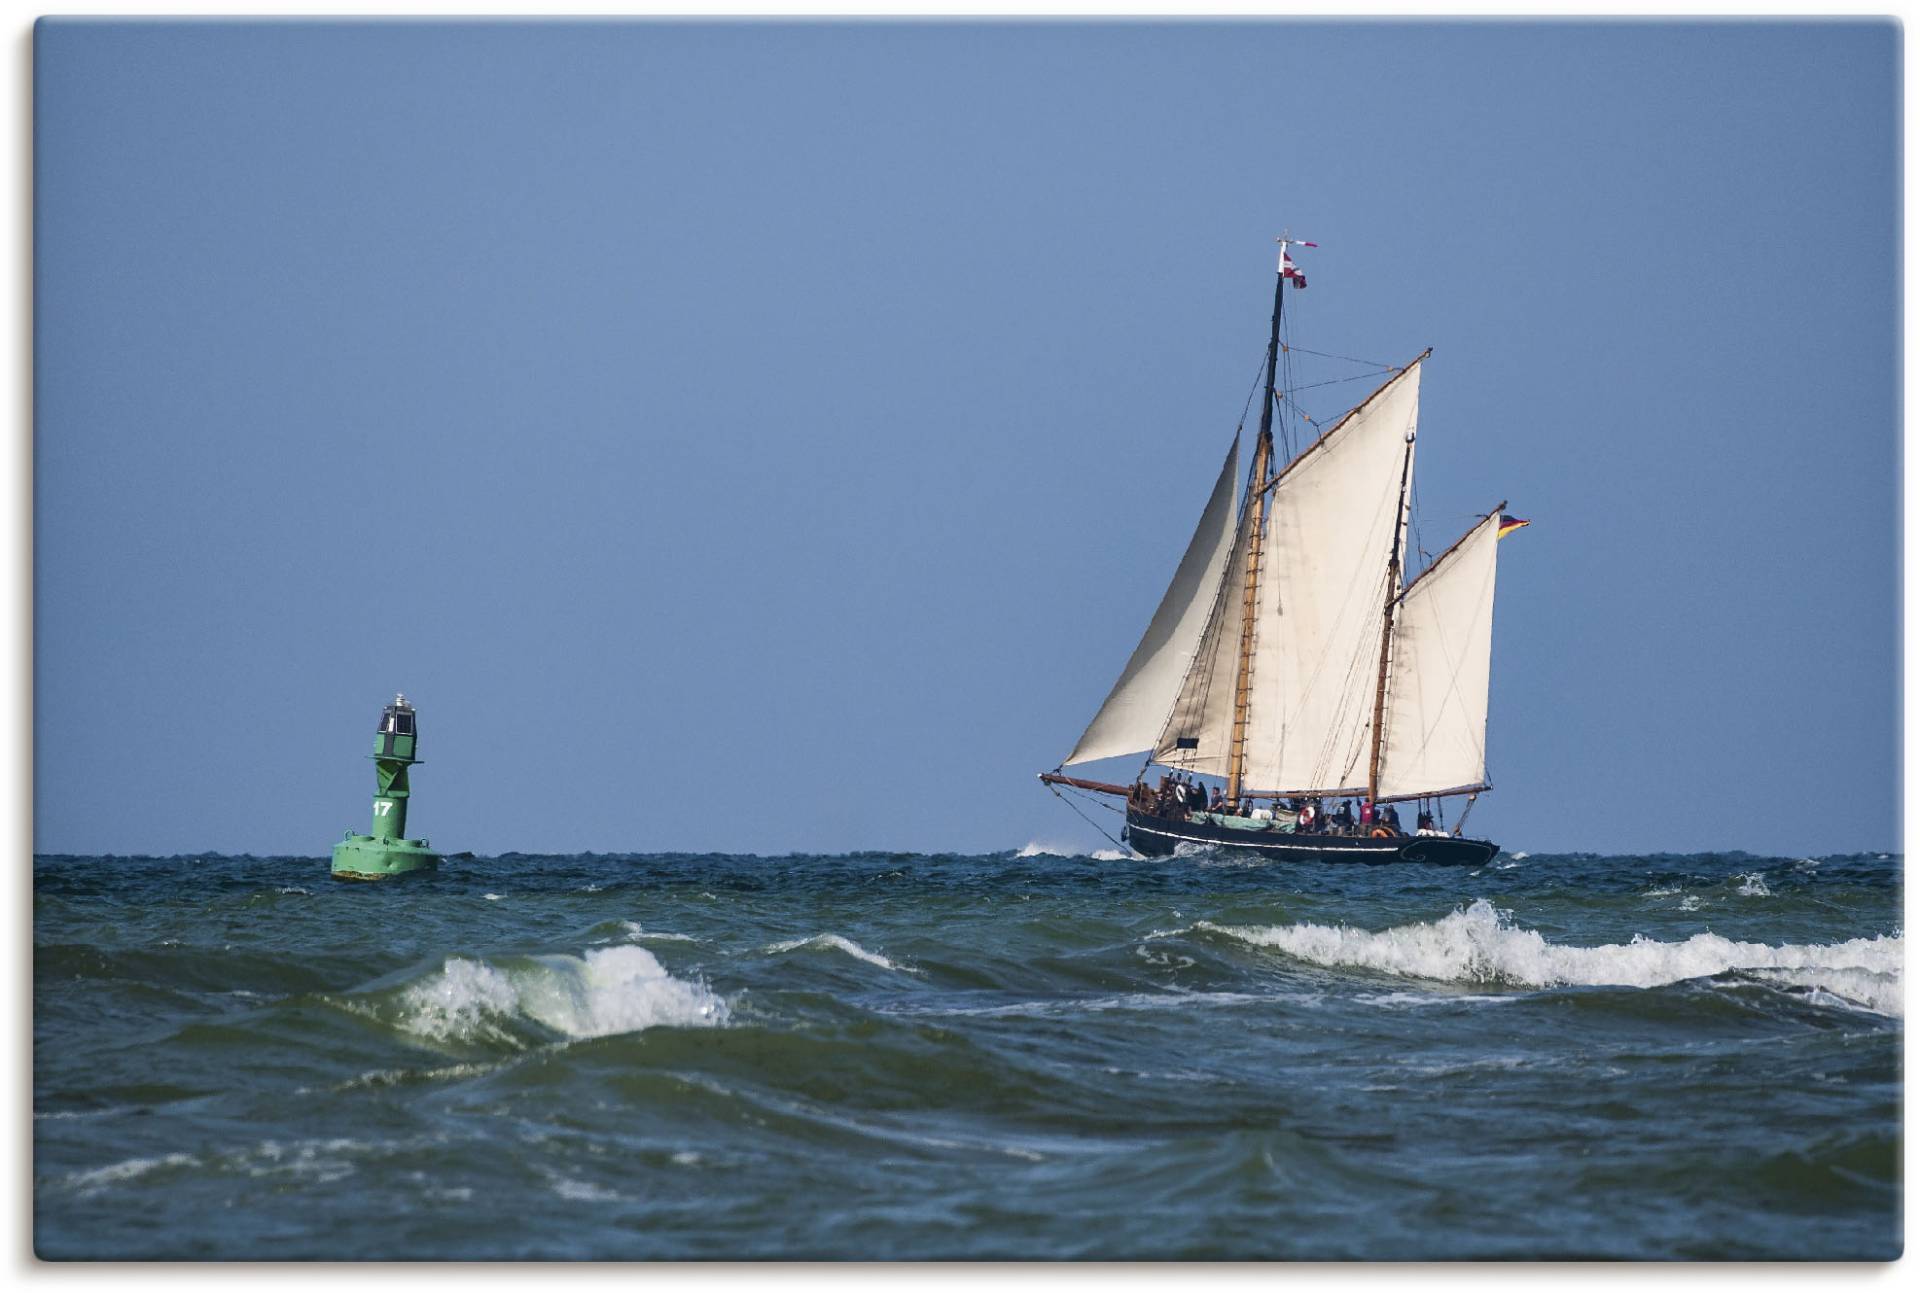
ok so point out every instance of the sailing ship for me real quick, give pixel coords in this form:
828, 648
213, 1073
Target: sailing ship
1291, 657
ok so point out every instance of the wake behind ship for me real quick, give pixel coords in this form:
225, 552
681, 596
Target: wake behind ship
1292, 660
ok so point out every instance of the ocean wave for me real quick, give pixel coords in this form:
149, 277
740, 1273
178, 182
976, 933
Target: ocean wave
1480, 944
94, 1178
633, 930
609, 990
1045, 849
837, 943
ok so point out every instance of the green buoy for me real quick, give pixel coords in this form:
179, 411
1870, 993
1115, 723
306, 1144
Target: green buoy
387, 851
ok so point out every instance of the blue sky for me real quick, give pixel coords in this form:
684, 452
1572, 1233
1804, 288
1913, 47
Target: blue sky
773, 438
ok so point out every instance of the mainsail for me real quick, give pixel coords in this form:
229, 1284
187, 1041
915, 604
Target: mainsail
1436, 711
1329, 550
1136, 708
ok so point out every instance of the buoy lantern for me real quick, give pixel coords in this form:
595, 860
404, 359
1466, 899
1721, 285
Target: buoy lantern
388, 851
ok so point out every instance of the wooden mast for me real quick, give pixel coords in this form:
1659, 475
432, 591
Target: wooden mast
1256, 532
1386, 625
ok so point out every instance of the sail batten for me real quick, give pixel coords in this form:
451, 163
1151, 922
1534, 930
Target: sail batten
1435, 733
1131, 717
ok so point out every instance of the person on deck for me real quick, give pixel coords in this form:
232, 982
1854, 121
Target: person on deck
1343, 819
1366, 815
1219, 800
1392, 818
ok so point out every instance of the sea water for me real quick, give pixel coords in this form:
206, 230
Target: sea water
1032, 1054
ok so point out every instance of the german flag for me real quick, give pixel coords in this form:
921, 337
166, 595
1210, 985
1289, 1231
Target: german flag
1508, 524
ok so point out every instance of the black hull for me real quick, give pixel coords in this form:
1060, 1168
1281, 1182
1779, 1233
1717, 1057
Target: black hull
1160, 836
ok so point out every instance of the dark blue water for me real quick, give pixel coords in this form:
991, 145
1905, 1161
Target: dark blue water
1009, 1056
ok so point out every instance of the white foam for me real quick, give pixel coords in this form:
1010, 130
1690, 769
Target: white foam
838, 944
1478, 944
1754, 885
94, 1178
1047, 849
633, 930
582, 1191
491, 897
609, 990
1878, 990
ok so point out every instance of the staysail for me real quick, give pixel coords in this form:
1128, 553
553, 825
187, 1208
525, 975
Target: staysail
1136, 708
1197, 733
1322, 590
1436, 709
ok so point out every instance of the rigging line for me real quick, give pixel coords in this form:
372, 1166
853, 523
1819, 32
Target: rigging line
1286, 381
1413, 528
1200, 668
1335, 381
1347, 358
1088, 820
1251, 392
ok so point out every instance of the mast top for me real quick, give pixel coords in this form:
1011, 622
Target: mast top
1288, 269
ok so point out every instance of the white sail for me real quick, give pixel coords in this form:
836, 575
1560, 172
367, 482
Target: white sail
1436, 715
1321, 592
1334, 519
1199, 728
1135, 709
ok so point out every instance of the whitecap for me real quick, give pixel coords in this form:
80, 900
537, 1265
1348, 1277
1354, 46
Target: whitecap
838, 944
610, 990
1048, 849
1479, 944
633, 930
582, 1191
1754, 885
1878, 990
113, 1173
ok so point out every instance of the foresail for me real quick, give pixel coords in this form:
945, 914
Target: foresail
1135, 709
1436, 712
1323, 589
1199, 729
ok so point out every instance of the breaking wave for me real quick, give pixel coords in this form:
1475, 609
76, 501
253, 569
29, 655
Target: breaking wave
837, 943
609, 990
1479, 944
1043, 849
